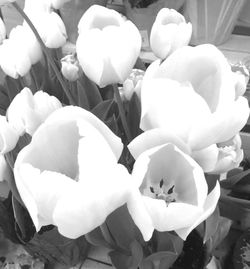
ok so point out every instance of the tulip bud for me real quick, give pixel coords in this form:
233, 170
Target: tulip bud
169, 32
70, 67
133, 84
107, 46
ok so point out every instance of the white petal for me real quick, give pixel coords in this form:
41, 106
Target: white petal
40, 191
8, 136
73, 113
91, 203
221, 126
170, 105
208, 209
155, 137
172, 217
207, 157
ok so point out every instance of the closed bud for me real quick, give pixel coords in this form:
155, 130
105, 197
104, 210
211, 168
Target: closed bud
70, 67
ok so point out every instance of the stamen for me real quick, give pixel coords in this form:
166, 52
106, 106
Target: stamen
152, 189
170, 191
161, 183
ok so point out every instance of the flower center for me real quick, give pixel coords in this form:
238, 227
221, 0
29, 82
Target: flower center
163, 192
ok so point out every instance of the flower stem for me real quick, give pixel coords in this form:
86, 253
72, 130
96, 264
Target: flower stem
122, 112
45, 51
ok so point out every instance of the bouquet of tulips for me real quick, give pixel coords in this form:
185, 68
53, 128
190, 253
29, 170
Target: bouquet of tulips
98, 153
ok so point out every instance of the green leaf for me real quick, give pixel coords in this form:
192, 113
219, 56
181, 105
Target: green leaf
123, 261
13, 87
91, 91
166, 241
220, 233
120, 261
7, 220
96, 238
137, 254
235, 209
105, 109
164, 258
4, 100
233, 180
122, 228
52, 247
82, 99
134, 115
9, 177
211, 224
25, 229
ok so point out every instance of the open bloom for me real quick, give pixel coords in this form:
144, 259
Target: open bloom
27, 111
68, 175
197, 104
174, 190
107, 46
169, 32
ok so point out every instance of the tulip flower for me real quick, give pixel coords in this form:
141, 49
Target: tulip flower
169, 32
27, 111
19, 52
8, 136
68, 175
107, 46
196, 104
174, 190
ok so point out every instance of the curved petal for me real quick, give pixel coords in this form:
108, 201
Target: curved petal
172, 217
170, 105
94, 201
8, 136
207, 157
221, 126
139, 214
74, 113
213, 79
125, 49
155, 137
40, 199
22, 102
44, 104
93, 149
7, 60
91, 55
230, 155
98, 17
208, 209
